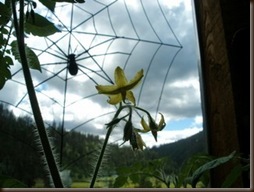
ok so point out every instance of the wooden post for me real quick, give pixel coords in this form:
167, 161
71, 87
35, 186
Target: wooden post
220, 114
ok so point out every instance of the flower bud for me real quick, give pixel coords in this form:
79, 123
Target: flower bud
136, 141
133, 141
127, 132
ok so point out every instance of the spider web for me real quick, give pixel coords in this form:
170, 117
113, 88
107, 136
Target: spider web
102, 35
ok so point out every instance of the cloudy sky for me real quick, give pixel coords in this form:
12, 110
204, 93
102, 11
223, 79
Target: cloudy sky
157, 36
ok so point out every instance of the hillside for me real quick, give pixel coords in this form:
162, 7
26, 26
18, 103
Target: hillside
182, 149
20, 156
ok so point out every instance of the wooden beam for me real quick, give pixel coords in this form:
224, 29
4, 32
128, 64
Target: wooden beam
219, 113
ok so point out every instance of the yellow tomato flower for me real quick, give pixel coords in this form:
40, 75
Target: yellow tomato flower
137, 142
121, 89
153, 127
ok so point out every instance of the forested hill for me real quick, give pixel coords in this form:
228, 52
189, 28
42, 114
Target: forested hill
182, 149
20, 157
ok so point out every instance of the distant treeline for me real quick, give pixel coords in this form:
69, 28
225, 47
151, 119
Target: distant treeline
21, 158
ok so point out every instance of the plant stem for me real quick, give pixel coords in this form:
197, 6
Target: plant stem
145, 111
19, 27
98, 164
101, 157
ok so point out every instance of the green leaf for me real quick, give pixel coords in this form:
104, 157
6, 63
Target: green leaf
186, 181
189, 166
5, 73
2, 82
5, 14
49, 4
210, 165
135, 178
32, 59
1, 40
8, 51
123, 170
246, 167
232, 176
40, 26
120, 181
8, 182
4, 31
8, 60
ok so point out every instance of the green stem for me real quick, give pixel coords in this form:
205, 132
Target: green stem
19, 27
101, 157
99, 161
145, 111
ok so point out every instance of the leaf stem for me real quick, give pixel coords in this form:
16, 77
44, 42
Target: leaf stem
19, 28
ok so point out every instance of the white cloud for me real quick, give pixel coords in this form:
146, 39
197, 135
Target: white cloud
181, 94
134, 4
198, 120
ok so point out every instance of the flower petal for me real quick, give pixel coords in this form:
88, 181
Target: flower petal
140, 142
133, 82
153, 126
130, 97
114, 99
139, 130
107, 89
121, 88
144, 125
120, 78
162, 123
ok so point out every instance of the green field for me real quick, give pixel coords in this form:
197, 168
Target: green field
104, 182
107, 182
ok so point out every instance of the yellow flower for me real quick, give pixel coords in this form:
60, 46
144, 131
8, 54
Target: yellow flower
153, 127
120, 91
137, 142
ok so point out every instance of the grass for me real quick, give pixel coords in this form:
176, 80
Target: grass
39, 183
107, 182
79, 184
103, 182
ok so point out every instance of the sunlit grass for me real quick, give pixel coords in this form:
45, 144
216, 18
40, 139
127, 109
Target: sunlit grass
39, 183
103, 182
107, 182
80, 184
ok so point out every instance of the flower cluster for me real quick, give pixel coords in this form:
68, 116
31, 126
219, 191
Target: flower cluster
152, 126
120, 92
